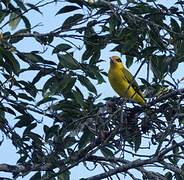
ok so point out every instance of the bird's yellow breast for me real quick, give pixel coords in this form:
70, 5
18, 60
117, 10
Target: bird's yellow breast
123, 88
118, 82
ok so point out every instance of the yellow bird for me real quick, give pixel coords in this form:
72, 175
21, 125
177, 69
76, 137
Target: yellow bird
123, 82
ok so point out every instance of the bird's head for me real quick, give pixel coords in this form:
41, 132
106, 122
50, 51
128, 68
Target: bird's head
116, 61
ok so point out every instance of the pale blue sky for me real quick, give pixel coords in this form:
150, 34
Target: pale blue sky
51, 22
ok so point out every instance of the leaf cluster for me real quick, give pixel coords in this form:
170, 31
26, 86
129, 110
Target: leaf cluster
50, 107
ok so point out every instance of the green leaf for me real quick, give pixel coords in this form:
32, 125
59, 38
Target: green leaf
67, 84
143, 8
128, 43
25, 96
7, 109
78, 97
64, 176
113, 23
20, 108
159, 66
10, 92
175, 152
42, 73
178, 176
182, 166
145, 82
50, 131
68, 61
49, 87
36, 176
25, 120
80, 3
30, 127
67, 106
87, 83
20, 4
148, 51
22, 159
137, 140
87, 54
100, 77
72, 20
172, 64
93, 72
14, 20
106, 152
54, 85
46, 129
11, 64
3, 14
68, 142
175, 26
15, 37
86, 138
119, 2
67, 9
35, 137
129, 61
30, 57
46, 100
95, 57
156, 39
169, 176
29, 87
32, 6
61, 47
50, 38
26, 23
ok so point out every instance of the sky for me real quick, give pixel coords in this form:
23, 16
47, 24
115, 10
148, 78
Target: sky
49, 21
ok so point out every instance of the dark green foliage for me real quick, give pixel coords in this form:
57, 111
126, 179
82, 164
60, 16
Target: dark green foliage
67, 9
50, 105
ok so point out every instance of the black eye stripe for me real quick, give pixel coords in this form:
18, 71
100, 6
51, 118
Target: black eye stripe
119, 60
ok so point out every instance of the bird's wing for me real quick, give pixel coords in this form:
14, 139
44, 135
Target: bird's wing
132, 81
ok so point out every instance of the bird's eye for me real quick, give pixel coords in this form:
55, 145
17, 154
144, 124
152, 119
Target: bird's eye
119, 60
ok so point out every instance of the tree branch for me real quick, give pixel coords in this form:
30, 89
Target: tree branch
166, 96
133, 16
172, 168
150, 174
137, 164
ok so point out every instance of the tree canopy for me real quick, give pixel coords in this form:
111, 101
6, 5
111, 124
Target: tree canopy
51, 108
